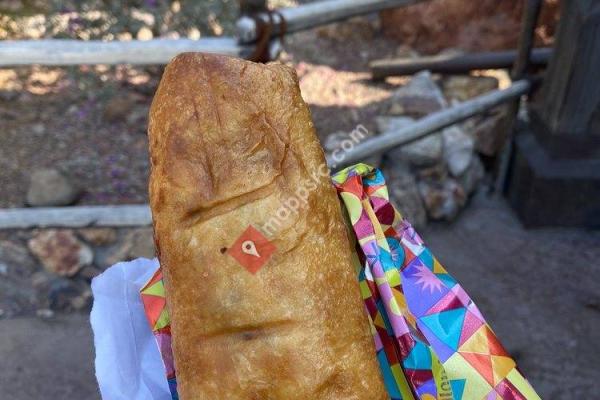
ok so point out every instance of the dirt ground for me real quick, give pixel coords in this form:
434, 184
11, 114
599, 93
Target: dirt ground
90, 122
538, 289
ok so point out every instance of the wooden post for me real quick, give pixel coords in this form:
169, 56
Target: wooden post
555, 177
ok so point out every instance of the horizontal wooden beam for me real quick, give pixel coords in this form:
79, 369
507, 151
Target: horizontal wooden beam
311, 15
452, 64
75, 217
77, 52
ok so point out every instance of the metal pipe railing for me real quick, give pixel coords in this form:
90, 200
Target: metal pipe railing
136, 215
311, 15
453, 64
429, 124
77, 52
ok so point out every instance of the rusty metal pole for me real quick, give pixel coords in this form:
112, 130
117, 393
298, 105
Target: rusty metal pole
531, 13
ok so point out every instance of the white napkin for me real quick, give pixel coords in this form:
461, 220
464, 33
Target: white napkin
128, 363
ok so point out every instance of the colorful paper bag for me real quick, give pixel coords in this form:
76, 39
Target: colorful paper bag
431, 340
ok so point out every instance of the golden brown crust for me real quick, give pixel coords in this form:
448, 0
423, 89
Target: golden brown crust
230, 142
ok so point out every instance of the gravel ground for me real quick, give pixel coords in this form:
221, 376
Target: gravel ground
539, 289
90, 122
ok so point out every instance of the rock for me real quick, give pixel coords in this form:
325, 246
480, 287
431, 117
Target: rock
489, 131
61, 294
88, 273
404, 51
465, 87
339, 142
9, 95
458, 149
404, 195
44, 313
137, 243
98, 236
423, 152
38, 129
41, 280
443, 200
15, 259
83, 301
438, 173
60, 252
17, 297
144, 33
48, 187
472, 176
419, 97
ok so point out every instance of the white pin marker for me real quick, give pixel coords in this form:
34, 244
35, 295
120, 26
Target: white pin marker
249, 247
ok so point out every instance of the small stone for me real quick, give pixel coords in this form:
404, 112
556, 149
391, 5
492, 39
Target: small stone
405, 51
458, 149
489, 132
98, 236
83, 301
9, 95
423, 152
465, 87
419, 97
144, 33
135, 244
472, 176
16, 260
41, 280
436, 173
61, 294
337, 143
443, 200
404, 195
44, 313
60, 252
49, 187
89, 272
38, 129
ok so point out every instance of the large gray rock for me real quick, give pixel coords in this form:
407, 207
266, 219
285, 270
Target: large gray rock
458, 150
337, 143
419, 97
60, 252
48, 187
404, 195
421, 153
